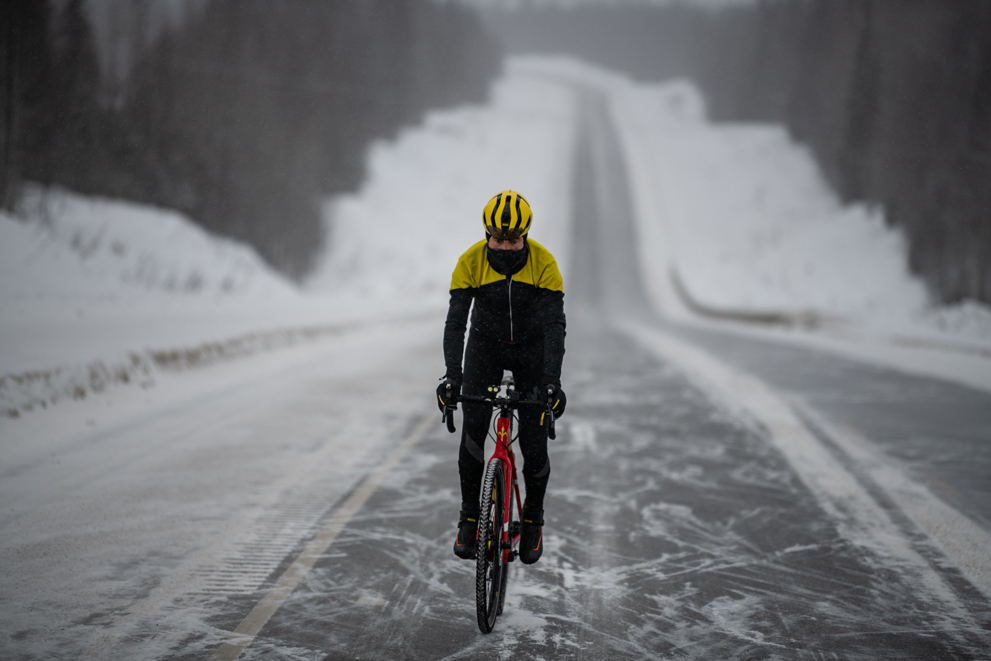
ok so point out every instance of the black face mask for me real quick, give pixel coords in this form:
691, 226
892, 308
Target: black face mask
507, 262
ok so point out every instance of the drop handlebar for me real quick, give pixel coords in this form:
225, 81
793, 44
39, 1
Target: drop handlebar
505, 403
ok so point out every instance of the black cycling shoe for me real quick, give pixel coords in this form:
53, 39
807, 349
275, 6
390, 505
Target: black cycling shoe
531, 536
464, 543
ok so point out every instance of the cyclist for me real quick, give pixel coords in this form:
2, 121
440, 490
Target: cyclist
518, 324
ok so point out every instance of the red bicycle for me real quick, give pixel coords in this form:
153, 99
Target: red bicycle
498, 531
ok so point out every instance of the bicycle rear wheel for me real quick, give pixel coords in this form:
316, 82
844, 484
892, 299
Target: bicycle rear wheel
490, 571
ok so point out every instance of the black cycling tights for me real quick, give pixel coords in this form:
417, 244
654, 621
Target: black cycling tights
485, 361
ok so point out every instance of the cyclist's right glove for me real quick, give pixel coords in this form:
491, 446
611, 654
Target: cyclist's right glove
448, 396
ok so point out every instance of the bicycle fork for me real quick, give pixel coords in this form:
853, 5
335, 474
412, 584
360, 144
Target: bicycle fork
504, 451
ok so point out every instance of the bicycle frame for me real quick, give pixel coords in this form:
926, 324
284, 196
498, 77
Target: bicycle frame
504, 452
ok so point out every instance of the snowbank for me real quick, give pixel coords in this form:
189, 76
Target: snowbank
71, 245
99, 293
96, 293
74, 266
742, 216
755, 226
421, 207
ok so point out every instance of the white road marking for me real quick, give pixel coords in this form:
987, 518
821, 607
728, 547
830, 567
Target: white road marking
966, 543
313, 551
859, 516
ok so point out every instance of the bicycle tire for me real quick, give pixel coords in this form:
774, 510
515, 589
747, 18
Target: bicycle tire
489, 567
505, 567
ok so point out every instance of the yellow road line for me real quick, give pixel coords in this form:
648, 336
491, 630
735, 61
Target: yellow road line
314, 550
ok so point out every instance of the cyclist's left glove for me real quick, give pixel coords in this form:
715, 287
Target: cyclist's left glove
448, 397
557, 397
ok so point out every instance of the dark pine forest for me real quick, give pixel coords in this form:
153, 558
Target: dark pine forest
244, 117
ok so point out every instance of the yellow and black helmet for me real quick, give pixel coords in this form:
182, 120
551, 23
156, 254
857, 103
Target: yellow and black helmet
507, 216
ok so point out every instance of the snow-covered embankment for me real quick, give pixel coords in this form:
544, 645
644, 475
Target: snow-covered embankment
737, 225
97, 294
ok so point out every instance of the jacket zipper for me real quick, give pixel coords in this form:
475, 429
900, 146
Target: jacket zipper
510, 307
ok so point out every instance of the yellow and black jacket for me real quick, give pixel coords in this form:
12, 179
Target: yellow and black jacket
522, 308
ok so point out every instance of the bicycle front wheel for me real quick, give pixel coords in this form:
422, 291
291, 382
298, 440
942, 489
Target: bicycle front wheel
489, 567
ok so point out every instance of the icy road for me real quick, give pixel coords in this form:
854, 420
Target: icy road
714, 495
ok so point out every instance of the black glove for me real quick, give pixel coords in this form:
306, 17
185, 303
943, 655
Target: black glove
446, 397
559, 401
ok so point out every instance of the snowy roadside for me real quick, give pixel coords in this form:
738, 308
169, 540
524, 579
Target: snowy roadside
98, 294
38, 389
738, 228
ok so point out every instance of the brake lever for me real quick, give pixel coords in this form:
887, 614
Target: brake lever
449, 409
448, 417
551, 432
